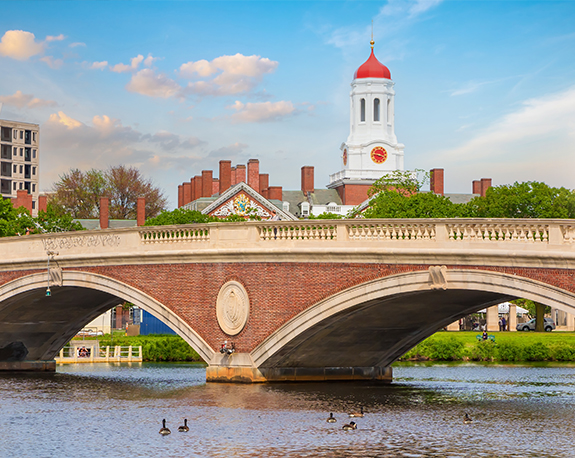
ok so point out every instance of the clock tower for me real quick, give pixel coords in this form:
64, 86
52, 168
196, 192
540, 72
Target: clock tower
371, 149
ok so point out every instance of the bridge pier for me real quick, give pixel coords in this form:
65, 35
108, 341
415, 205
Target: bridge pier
28, 366
238, 368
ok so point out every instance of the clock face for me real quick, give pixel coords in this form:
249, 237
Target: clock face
378, 155
345, 156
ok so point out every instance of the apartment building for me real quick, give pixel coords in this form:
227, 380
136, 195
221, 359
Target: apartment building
19, 160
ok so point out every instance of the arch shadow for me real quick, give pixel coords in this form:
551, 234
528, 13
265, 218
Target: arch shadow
374, 323
44, 324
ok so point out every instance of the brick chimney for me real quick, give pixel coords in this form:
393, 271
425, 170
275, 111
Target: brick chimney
225, 176
254, 174
264, 184
485, 185
215, 186
180, 195
240, 173
42, 203
104, 212
197, 185
436, 181
23, 199
275, 192
476, 187
207, 183
307, 184
141, 211
187, 193
234, 175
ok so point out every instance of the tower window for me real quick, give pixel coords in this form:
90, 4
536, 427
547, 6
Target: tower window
362, 111
388, 111
376, 110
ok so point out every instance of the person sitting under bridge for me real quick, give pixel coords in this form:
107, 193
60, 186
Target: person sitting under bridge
484, 337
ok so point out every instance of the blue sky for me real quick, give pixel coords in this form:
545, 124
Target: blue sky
483, 89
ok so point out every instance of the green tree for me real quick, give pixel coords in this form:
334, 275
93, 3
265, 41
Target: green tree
180, 216
535, 310
78, 193
529, 199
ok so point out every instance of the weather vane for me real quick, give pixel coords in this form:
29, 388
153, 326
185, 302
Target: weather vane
372, 42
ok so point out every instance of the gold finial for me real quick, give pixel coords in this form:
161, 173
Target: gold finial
372, 42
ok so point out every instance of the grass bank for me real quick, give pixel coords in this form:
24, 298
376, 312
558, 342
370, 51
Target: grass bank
508, 346
156, 347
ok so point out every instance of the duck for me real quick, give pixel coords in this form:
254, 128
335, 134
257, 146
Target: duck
164, 431
184, 428
331, 418
357, 414
351, 425
467, 419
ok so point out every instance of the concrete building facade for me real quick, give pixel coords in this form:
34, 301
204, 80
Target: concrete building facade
20, 160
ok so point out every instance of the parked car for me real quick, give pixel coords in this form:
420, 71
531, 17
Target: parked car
530, 325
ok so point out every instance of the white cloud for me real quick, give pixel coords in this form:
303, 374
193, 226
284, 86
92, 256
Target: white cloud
148, 61
231, 74
169, 141
20, 45
147, 82
533, 143
55, 38
134, 64
76, 44
411, 7
51, 62
261, 112
62, 119
20, 100
99, 65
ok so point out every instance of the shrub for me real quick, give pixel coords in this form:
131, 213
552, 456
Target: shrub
537, 351
510, 351
560, 352
483, 351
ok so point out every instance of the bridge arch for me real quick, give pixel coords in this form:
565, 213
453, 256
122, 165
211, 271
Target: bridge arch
321, 329
108, 292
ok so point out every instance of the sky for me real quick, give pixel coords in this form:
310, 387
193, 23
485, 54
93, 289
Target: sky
484, 89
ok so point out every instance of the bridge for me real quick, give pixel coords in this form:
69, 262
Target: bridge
301, 301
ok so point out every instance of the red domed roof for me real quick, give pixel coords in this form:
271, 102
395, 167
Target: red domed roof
372, 68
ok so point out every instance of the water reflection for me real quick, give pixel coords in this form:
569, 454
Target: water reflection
117, 411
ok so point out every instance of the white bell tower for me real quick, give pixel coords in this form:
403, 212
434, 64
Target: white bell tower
371, 149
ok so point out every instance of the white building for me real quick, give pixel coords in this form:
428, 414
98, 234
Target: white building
19, 160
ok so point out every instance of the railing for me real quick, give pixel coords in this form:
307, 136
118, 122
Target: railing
391, 231
497, 232
298, 231
163, 235
89, 354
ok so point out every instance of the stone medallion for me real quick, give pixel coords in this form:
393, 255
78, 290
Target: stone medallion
232, 307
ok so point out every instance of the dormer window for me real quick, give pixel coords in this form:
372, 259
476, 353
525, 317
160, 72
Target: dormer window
285, 206
304, 209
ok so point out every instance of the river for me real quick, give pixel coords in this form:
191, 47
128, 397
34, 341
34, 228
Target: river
116, 411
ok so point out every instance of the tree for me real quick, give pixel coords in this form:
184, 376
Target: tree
535, 310
404, 181
78, 193
180, 216
18, 221
395, 204
529, 199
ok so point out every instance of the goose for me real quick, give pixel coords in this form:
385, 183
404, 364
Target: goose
164, 431
184, 428
467, 419
331, 418
351, 425
357, 414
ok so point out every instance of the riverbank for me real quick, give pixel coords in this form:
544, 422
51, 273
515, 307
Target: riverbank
155, 347
507, 346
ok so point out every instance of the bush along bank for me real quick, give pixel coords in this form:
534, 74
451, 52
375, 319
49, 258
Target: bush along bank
444, 347
156, 348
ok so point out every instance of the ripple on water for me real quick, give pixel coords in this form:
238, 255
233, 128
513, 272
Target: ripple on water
115, 411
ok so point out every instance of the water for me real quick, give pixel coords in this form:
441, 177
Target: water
116, 411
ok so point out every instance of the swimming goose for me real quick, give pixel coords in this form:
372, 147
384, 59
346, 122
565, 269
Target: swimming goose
357, 414
331, 418
349, 426
164, 431
467, 419
184, 428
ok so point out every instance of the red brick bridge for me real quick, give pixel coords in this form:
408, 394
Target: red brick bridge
309, 300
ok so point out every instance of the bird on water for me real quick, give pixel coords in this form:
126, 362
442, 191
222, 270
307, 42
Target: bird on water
351, 425
164, 431
184, 428
467, 419
357, 414
331, 418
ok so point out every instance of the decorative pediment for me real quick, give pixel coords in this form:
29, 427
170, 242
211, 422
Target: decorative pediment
242, 200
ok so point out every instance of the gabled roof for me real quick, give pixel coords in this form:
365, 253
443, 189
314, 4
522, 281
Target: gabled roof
262, 205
